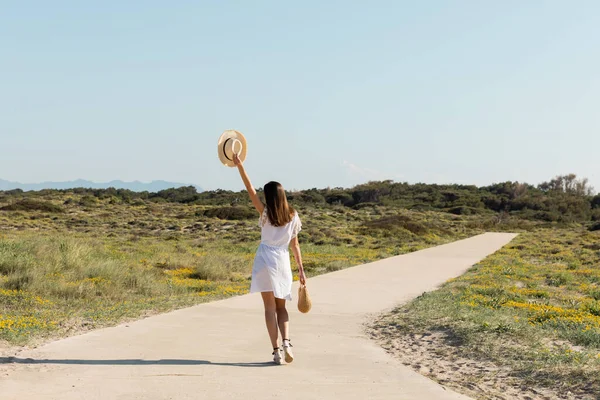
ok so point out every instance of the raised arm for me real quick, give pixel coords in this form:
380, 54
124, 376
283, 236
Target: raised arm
251, 191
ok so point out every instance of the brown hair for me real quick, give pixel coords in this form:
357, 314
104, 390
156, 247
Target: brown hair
278, 210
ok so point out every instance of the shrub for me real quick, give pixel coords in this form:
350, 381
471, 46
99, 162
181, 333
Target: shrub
594, 294
186, 194
339, 197
395, 223
229, 213
308, 196
88, 201
460, 210
546, 216
465, 210
33, 205
360, 206
596, 201
559, 279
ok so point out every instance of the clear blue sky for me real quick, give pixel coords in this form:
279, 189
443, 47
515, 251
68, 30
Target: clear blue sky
328, 93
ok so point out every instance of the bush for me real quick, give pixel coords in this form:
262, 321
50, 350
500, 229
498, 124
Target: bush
311, 196
546, 216
559, 279
394, 223
229, 213
360, 206
595, 227
33, 205
88, 201
186, 194
464, 210
339, 197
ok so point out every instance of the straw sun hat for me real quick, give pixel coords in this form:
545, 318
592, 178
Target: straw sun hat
231, 142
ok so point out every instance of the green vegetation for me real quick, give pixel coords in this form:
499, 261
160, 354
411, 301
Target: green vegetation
562, 199
533, 307
32, 205
79, 259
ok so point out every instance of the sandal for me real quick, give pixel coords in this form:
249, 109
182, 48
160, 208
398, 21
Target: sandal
287, 350
277, 355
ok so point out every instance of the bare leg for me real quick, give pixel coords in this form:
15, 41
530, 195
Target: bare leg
271, 316
283, 320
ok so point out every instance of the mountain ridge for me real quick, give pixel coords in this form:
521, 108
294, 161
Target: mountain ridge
136, 186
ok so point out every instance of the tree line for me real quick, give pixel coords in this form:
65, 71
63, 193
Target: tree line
565, 198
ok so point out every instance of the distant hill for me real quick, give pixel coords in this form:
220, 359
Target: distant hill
135, 186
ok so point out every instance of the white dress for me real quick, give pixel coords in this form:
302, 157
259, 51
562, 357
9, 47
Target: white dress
272, 271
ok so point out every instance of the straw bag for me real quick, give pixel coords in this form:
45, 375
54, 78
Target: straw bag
304, 302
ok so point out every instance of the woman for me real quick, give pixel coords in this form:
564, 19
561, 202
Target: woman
271, 272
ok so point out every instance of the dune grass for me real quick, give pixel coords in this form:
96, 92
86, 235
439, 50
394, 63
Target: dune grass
68, 263
60, 283
533, 307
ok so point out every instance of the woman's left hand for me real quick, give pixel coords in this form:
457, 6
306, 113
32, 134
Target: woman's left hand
302, 278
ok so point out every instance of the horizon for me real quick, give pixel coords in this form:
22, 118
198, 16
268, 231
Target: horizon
328, 95
203, 189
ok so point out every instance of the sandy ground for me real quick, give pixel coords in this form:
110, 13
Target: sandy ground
433, 355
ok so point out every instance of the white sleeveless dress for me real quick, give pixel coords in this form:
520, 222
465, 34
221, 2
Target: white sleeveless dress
272, 271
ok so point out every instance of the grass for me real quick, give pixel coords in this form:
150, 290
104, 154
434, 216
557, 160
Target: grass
54, 284
533, 307
71, 263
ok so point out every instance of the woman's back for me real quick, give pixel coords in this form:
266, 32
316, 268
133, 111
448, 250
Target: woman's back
278, 236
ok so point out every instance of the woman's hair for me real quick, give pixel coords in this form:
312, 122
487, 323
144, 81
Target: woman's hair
278, 210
